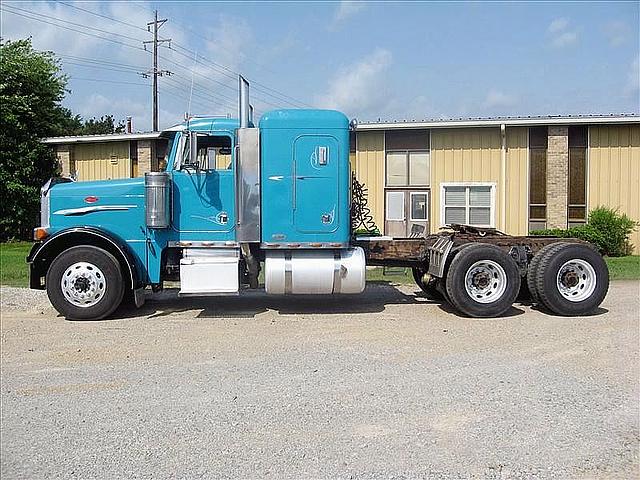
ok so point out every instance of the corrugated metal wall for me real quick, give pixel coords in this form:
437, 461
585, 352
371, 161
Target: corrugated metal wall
614, 171
369, 167
517, 181
100, 161
464, 155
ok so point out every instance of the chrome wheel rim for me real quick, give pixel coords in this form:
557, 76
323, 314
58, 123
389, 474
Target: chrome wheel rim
83, 284
485, 281
576, 280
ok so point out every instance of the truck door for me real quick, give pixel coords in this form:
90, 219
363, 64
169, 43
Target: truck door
203, 195
315, 188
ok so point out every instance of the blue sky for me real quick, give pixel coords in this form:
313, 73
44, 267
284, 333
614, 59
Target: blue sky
371, 60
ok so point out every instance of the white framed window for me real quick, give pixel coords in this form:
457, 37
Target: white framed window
395, 206
470, 203
419, 206
408, 168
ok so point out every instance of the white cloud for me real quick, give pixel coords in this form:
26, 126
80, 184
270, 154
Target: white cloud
344, 11
558, 25
497, 99
359, 88
559, 33
617, 32
565, 39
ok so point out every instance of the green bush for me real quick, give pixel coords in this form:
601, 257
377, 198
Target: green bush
607, 229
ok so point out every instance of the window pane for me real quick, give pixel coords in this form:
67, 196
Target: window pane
395, 205
538, 176
538, 213
480, 196
578, 136
577, 176
396, 169
455, 215
455, 196
419, 206
419, 168
480, 216
538, 137
577, 213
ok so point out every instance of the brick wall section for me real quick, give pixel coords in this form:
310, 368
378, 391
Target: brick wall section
64, 154
146, 154
557, 176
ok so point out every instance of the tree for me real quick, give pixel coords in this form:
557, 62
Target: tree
94, 126
32, 88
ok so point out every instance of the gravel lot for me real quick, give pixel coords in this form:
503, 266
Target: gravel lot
382, 385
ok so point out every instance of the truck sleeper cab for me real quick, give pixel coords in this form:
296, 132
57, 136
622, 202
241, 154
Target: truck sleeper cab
235, 199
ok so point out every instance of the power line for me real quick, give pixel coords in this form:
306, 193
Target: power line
102, 80
30, 17
103, 16
50, 17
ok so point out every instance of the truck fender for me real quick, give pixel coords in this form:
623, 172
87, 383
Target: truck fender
43, 253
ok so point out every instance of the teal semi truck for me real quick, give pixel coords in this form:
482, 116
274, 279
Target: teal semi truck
237, 199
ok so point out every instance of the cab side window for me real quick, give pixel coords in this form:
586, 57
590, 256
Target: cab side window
214, 153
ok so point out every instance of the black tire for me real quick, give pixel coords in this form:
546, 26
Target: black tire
549, 278
456, 276
109, 294
533, 268
429, 288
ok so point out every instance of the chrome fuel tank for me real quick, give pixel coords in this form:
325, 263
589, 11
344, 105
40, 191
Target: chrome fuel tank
315, 271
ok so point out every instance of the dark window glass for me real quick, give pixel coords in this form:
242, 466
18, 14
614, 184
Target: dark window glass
537, 176
352, 142
538, 213
577, 176
578, 136
538, 137
578, 213
406, 140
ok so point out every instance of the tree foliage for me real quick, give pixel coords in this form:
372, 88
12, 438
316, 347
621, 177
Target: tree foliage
94, 126
31, 91
32, 87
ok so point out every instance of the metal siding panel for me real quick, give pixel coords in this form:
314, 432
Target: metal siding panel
369, 167
614, 171
516, 181
464, 155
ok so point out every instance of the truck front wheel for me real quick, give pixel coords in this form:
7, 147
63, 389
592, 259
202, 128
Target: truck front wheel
85, 283
483, 281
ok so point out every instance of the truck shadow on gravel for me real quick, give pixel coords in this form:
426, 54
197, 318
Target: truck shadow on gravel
251, 303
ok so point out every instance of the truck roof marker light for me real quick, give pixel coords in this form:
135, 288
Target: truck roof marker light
40, 233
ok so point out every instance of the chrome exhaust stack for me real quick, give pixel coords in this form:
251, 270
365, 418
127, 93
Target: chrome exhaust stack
244, 109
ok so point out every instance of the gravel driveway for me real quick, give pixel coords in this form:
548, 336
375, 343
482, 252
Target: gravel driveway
382, 385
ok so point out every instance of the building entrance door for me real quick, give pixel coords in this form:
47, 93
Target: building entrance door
406, 213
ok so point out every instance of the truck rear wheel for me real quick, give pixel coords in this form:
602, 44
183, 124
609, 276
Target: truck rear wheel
533, 268
429, 288
482, 281
572, 279
85, 283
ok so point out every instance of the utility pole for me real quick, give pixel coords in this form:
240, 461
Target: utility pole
156, 24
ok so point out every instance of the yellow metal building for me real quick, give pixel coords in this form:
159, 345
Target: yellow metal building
513, 174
